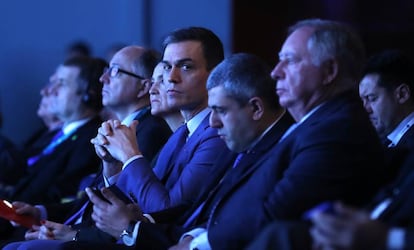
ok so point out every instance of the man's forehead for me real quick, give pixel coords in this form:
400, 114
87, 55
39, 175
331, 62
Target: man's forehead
369, 81
187, 49
218, 95
296, 42
123, 59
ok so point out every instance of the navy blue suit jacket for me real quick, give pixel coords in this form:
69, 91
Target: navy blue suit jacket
399, 211
333, 155
180, 180
58, 174
160, 236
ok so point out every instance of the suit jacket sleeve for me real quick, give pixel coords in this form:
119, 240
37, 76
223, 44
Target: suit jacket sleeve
153, 195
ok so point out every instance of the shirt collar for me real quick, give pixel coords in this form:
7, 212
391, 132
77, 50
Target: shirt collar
305, 117
128, 120
194, 122
396, 135
71, 127
253, 144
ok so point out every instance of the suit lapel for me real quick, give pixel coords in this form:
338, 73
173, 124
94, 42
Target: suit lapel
183, 156
164, 163
36, 169
251, 161
248, 164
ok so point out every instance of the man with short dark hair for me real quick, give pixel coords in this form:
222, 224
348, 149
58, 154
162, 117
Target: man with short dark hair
387, 92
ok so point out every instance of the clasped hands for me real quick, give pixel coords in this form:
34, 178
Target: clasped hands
116, 141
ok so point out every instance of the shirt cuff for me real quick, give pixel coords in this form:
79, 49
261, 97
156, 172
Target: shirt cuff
111, 180
395, 238
133, 158
194, 233
149, 217
200, 242
130, 241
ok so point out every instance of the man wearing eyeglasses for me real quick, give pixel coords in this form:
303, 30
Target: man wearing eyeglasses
125, 93
180, 172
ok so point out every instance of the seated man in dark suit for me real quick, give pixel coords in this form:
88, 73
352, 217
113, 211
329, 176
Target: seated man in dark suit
56, 171
386, 93
182, 165
189, 56
128, 98
13, 158
386, 90
332, 152
242, 99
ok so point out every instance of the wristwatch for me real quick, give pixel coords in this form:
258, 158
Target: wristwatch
127, 235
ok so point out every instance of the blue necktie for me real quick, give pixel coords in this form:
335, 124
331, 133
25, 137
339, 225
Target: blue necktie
197, 212
76, 215
56, 140
170, 152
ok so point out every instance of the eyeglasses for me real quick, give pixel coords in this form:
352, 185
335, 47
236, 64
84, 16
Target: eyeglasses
113, 71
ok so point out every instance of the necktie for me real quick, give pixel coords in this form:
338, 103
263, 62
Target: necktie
182, 138
197, 212
98, 183
170, 152
76, 215
56, 140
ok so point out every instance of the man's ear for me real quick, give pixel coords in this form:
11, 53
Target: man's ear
330, 71
144, 88
402, 93
257, 108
